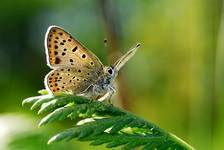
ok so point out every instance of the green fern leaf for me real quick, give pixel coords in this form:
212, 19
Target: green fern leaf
102, 123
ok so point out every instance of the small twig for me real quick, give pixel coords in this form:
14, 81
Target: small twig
113, 30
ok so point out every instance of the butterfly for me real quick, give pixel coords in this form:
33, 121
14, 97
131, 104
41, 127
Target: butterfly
76, 70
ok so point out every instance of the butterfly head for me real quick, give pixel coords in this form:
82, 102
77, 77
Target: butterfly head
109, 72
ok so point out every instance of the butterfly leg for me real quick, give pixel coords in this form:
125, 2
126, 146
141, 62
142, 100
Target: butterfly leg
108, 95
112, 91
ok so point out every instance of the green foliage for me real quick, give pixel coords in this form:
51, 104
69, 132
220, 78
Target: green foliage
34, 141
102, 123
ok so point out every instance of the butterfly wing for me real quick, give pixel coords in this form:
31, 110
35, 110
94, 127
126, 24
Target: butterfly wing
75, 67
71, 80
64, 50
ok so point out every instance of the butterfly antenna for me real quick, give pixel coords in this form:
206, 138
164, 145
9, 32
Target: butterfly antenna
105, 42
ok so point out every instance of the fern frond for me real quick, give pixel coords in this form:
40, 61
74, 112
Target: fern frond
102, 123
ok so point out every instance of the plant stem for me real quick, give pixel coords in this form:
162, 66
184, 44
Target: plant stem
180, 141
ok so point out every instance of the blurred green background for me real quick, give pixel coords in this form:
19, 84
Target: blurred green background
175, 80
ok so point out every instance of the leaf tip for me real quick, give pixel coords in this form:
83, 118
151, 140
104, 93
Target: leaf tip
39, 112
41, 123
43, 92
32, 107
23, 102
50, 141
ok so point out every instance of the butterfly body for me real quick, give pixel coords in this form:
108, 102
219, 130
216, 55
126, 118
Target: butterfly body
77, 70
104, 85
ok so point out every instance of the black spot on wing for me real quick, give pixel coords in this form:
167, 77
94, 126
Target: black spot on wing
57, 60
74, 49
83, 56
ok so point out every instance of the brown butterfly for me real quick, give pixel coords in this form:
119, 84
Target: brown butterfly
76, 70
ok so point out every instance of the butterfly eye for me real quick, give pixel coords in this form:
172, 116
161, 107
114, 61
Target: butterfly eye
110, 71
